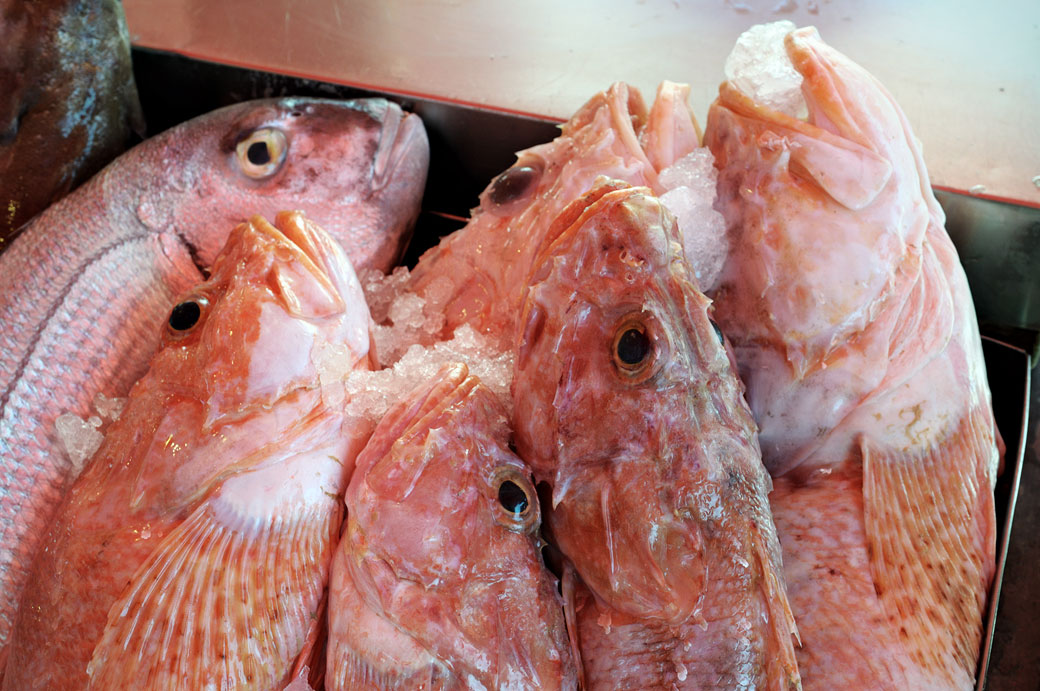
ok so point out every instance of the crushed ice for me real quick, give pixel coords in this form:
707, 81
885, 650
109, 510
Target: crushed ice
406, 334
79, 438
759, 67
690, 182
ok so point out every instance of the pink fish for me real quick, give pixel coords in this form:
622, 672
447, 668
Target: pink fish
193, 551
438, 581
855, 333
85, 289
485, 263
627, 404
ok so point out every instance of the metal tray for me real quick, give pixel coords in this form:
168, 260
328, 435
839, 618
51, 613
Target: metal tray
469, 146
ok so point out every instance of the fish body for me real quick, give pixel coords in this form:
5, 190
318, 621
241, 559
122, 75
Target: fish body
438, 581
628, 405
84, 290
484, 264
68, 102
194, 549
854, 329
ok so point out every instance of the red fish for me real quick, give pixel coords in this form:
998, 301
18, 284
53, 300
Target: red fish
438, 581
855, 332
627, 403
485, 263
84, 291
193, 551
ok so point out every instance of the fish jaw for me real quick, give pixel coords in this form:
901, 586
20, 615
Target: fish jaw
279, 295
481, 607
639, 461
357, 168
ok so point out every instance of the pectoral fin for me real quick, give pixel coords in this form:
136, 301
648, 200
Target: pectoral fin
214, 606
931, 536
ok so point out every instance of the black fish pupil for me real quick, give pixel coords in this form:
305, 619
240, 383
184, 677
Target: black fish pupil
633, 347
185, 315
512, 184
258, 154
512, 497
718, 332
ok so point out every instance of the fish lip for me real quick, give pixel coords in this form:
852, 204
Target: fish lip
398, 138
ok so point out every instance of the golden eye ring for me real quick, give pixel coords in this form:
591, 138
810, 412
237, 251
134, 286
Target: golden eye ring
262, 153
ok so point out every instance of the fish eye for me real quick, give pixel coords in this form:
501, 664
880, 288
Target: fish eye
718, 332
513, 185
512, 497
517, 503
262, 153
185, 315
633, 349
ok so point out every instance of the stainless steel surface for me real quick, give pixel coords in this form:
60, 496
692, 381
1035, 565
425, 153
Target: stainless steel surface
999, 245
966, 72
1009, 370
469, 146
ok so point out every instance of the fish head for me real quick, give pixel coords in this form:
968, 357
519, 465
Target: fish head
356, 168
256, 329
826, 216
627, 405
445, 520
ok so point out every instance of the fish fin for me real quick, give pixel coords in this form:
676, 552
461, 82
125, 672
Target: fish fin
214, 605
568, 588
351, 671
310, 663
781, 618
931, 538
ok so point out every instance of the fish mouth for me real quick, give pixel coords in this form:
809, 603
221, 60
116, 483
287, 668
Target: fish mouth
311, 274
402, 138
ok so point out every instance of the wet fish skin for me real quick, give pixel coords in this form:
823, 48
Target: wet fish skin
85, 289
487, 261
659, 495
68, 102
194, 549
855, 331
435, 583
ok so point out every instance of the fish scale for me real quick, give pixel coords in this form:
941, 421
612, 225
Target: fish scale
85, 288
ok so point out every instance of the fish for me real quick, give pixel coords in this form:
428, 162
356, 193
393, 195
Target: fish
477, 272
438, 581
854, 331
85, 290
628, 408
194, 550
68, 101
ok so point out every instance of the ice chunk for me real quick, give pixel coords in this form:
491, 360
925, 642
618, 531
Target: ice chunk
108, 408
79, 437
759, 67
382, 289
690, 196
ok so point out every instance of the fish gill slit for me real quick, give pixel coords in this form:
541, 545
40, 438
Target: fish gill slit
196, 258
76, 276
